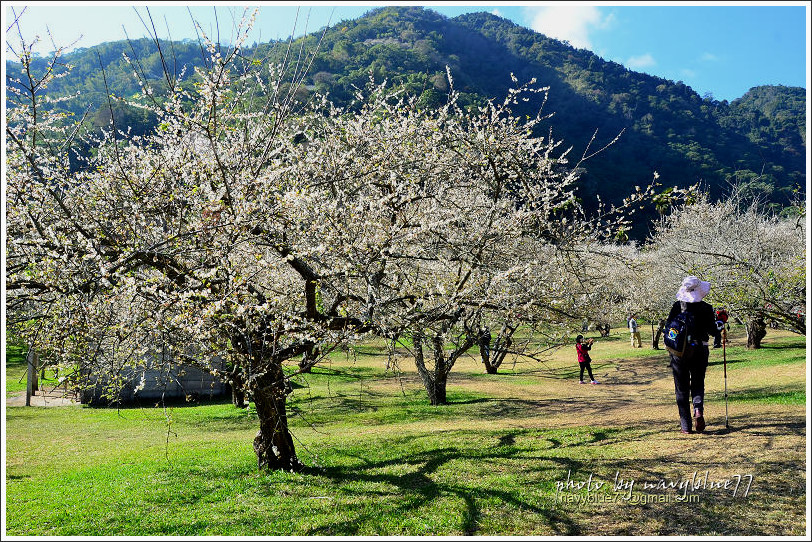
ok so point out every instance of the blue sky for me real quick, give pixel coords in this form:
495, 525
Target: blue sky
722, 48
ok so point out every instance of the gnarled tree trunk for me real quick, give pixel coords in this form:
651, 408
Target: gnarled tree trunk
268, 388
492, 358
756, 331
433, 381
273, 443
437, 391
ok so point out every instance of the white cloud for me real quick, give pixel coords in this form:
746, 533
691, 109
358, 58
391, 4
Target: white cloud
640, 62
709, 57
688, 73
571, 23
497, 13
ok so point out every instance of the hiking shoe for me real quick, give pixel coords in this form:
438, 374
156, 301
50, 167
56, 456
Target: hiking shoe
700, 422
686, 431
582, 382
594, 382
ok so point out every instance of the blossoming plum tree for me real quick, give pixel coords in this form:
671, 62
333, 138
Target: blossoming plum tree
755, 260
173, 247
253, 228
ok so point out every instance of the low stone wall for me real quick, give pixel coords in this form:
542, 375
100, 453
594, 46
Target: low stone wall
151, 384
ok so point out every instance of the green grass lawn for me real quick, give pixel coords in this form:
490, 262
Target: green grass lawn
381, 461
15, 369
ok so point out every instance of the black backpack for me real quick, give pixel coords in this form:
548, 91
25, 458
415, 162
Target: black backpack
677, 336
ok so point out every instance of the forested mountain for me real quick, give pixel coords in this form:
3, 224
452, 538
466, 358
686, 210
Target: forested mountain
756, 140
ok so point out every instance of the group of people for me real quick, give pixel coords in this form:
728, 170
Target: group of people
688, 368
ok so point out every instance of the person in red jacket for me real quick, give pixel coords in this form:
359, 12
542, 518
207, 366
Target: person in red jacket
582, 348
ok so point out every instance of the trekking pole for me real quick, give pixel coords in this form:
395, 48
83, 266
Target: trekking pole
724, 361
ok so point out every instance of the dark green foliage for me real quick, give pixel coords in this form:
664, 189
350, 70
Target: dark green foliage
756, 140
87, 82
124, 117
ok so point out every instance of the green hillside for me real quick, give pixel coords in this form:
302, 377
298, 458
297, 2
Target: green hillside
756, 140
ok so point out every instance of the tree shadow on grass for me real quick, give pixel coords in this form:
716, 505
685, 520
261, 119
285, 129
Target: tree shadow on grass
770, 394
140, 403
418, 488
783, 346
427, 481
482, 408
406, 485
470, 401
771, 428
572, 407
730, 361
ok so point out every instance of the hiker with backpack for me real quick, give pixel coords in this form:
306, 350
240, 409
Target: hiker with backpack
690, 324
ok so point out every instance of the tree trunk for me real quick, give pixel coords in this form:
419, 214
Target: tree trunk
756, 330
309, 360
237, 389
484, 342
493, 357
433, 381
273, 443
437, 392
31, 376
655, 336
497, 354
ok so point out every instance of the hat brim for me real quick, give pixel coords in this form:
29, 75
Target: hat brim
695, 295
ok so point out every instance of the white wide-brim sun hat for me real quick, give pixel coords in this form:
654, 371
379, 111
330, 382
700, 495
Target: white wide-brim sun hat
692, 290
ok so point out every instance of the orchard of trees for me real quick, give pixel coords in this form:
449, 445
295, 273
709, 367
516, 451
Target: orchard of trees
267, 232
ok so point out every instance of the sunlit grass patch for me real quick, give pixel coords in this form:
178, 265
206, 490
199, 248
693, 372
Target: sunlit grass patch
768, 395
15, 368
382, 461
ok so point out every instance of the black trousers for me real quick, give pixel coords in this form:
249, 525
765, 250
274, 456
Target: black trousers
689, 383
588, 367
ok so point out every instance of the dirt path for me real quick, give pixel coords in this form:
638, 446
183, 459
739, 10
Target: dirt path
43, 398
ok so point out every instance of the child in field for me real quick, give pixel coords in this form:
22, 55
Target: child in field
584, 360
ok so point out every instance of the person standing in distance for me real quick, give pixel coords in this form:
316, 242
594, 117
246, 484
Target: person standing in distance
689, 370
721, 323
634, 329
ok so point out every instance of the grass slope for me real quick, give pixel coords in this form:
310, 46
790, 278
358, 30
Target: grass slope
383, 462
